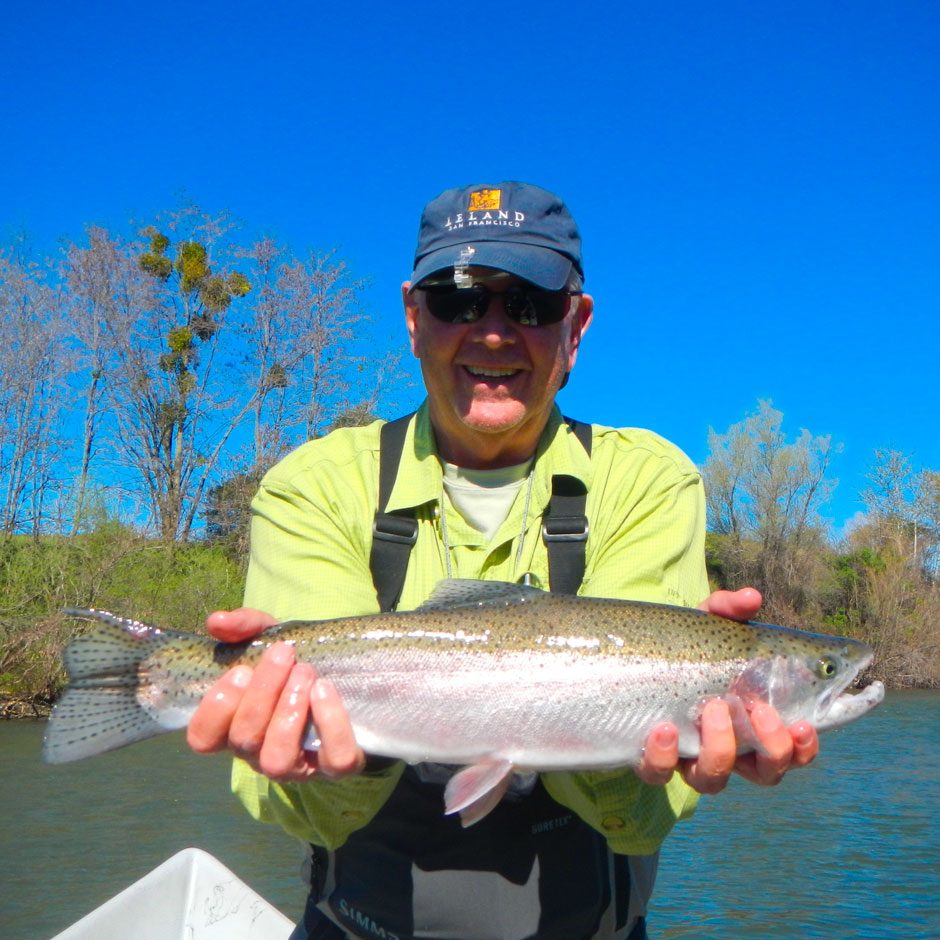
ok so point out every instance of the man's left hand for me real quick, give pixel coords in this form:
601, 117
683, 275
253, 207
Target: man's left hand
784, 747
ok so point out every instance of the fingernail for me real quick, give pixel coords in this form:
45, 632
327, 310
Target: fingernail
803, 733
240, 676
323, 688
720, 718
667, 737
281, 653
765, 719
301, 673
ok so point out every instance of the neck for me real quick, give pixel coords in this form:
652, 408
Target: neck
482, 451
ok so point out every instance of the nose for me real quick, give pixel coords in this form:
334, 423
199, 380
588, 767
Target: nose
495, 328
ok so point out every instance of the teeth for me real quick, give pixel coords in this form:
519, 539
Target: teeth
490, 373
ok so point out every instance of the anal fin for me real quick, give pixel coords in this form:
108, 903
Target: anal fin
474, 791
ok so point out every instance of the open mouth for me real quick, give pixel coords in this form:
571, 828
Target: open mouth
481, 372
851, 705
841, 706
489, 374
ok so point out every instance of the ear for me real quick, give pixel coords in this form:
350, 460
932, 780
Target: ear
410, 303
580, 322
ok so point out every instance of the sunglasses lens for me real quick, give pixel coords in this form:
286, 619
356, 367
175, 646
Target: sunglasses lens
526, 306
457, 304
535, 307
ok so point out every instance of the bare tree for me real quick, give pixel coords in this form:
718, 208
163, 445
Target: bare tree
32, 375
151, 328
182, 340
764, 496
310, 352
106, 290
903, 503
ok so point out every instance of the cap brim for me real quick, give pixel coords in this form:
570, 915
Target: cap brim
544, 267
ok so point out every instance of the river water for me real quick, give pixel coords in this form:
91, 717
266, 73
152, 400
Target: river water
847, 848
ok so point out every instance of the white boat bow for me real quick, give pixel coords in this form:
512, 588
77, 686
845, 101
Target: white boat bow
191, 896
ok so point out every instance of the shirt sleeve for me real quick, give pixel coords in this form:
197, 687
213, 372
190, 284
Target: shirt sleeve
310, 544
647, 514
634, 817
323, 812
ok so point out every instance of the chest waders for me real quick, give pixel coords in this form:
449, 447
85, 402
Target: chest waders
531, 868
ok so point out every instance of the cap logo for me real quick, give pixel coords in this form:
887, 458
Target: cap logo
484, 199
483, 208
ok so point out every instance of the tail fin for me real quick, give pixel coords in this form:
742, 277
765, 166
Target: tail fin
99, 711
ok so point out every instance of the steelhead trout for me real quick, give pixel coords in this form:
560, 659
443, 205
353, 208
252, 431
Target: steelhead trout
492, 676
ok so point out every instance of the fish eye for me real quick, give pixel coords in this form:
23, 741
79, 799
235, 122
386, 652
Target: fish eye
826, 667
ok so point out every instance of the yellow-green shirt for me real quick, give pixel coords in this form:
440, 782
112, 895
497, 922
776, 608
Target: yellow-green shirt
311, 539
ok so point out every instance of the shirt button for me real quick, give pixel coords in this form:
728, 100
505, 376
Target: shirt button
612, 823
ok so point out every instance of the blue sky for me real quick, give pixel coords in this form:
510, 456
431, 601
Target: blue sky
757, 184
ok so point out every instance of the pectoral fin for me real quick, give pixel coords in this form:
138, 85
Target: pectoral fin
474, 791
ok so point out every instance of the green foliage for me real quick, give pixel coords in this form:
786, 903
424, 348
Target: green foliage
192, 265
110, 567
238, 284
156, 266
356, 417
153, 262
158, 241
215, 294
881, 585
180, 339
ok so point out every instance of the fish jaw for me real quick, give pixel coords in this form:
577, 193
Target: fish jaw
849, 706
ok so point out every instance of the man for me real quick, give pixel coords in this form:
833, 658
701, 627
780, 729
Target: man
496, 315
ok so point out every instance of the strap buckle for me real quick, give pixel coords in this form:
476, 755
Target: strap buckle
391, 528
565, 529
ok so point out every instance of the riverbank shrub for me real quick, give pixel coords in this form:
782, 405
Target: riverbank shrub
113, 567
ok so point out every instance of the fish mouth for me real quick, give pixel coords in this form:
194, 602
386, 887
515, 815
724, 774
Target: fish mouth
840, 704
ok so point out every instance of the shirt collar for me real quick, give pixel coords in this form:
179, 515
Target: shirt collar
420, 479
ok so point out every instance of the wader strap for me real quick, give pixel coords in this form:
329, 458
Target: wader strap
565, 528
393, 533
564, 531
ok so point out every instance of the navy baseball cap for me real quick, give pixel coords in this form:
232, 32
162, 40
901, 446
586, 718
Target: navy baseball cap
511, 226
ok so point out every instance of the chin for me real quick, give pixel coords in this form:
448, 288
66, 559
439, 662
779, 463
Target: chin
497, 420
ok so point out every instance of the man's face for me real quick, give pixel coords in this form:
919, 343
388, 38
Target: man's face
491, 384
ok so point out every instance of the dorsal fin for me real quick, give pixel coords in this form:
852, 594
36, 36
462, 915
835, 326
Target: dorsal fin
466, 592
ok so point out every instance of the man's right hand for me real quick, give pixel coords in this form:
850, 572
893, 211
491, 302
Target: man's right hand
260, 714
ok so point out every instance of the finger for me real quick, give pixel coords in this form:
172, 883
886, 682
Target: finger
660, 755
339, 754
233, 626
709, 772
208, 729
735, 605
281, 756
767, 769
254, 712
805, 743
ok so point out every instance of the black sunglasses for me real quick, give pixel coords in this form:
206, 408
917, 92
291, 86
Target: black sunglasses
528, 306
